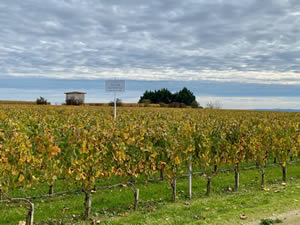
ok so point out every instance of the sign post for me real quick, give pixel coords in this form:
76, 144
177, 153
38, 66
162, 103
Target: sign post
115, 86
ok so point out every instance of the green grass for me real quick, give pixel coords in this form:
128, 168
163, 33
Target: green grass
114, 206
270, 221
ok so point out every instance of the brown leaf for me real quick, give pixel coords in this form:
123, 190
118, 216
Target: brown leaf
64, 209
243, 217
124, 214
265, 189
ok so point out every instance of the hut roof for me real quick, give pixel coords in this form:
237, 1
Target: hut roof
74, 92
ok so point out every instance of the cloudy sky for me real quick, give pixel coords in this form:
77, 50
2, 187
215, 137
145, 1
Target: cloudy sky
250, 46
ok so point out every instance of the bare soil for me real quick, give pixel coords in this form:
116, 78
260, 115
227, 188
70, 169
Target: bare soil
288, 218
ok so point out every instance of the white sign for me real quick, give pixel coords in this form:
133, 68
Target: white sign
115, 85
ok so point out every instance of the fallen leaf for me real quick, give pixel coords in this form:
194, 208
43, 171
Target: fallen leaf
64, 209
196, 217
123, 214
243, 217
265, 189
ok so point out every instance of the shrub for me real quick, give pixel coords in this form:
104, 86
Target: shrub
163, 104
182, 105
174, 105
42, 101
146, 102
214, 105
118, 102
195, 104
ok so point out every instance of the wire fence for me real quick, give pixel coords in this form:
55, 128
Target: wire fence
125, 184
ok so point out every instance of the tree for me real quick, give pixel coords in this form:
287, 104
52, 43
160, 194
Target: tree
184, 96
159, 96
214, 105
118, 102
196, 104
42, 101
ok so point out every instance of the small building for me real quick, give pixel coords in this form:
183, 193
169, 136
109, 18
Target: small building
75, 98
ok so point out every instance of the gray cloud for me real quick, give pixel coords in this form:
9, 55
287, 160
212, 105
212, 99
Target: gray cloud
243, 41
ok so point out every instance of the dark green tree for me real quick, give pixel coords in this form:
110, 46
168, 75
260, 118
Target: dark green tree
42, 101
118, 102
185, 96
157, 96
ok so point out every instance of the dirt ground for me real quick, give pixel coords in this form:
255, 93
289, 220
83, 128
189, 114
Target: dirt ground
288, 218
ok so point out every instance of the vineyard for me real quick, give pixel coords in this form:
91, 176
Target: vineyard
84, 148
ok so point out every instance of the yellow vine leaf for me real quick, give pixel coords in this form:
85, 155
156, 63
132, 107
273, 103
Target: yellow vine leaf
21, 178
177, 160
154, 154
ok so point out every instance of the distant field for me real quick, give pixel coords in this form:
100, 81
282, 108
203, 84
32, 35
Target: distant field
124, 104
17, 102
87, 104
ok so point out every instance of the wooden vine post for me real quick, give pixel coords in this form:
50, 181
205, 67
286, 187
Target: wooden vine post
284, 172
236, 177
136, 198
190, 176
51, 190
